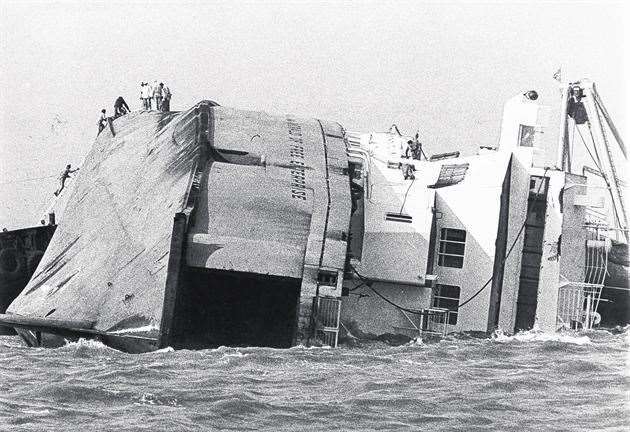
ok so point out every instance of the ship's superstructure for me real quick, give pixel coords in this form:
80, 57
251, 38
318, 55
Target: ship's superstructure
217, 226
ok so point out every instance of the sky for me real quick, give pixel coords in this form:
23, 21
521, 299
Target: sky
444, 69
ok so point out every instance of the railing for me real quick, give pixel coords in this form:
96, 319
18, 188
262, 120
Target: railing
328, 314
577, 305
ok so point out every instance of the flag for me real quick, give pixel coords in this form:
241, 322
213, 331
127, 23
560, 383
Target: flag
558, 75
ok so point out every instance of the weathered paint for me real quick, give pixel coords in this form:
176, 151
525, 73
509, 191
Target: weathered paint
547, 305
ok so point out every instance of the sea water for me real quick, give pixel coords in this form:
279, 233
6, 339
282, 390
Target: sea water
531, 381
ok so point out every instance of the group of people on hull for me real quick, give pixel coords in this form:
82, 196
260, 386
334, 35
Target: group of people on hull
159, 93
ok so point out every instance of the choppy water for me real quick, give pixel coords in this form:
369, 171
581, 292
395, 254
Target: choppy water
572, 382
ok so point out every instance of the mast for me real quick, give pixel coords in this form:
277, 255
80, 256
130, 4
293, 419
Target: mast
592, 104
563, 137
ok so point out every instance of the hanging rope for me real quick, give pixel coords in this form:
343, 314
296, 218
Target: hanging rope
599, 168
28, 179
405, 198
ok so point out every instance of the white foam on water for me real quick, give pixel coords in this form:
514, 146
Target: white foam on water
536, 335
303, 347
168, 349
36, 412
142, 329
89, 344
415, 342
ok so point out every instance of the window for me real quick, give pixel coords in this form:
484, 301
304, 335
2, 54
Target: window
452, 244
450, 175
447, 297
526, 136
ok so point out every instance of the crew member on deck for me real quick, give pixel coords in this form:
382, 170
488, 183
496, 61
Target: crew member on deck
120, 107
166, 101
408, 169
64, 175
145, 95
414, 149
157, 95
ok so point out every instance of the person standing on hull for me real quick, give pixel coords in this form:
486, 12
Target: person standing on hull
148, 94
145, 98
166, 94
65, 174
414, 149
157, 95
102, 121
408, 169
120, 107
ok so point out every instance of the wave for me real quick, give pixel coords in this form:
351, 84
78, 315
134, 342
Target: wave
85, 347
536, 335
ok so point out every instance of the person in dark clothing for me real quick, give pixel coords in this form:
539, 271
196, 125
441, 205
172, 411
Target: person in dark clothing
102, 121
120, 107
408, 169
414, 149
65, 174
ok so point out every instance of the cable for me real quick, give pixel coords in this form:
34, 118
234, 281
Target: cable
520, 231
614, 208
405, 198
589, 151
369, 285
29, 179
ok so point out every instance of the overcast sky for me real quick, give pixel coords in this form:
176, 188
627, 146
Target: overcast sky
445, 68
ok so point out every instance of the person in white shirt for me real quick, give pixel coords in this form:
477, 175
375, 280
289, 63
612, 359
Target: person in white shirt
145, 95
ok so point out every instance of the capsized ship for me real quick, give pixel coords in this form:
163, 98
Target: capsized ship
217, 226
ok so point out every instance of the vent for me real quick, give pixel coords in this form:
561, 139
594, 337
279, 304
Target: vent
442, 156
450, 175
398, 217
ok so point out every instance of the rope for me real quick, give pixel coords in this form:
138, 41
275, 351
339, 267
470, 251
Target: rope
369, 285
405, 199
599, 168
28, 179
614, 208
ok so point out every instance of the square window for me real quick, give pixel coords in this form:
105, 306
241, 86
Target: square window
451, 247
447, 297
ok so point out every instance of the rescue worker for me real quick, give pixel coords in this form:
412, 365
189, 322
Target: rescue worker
148, 95
65, 174
166, 94
414, 149
157, 95
408, 169
102, 121
144, 96
120, 107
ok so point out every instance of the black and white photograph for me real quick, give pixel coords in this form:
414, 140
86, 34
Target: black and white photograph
314, 215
